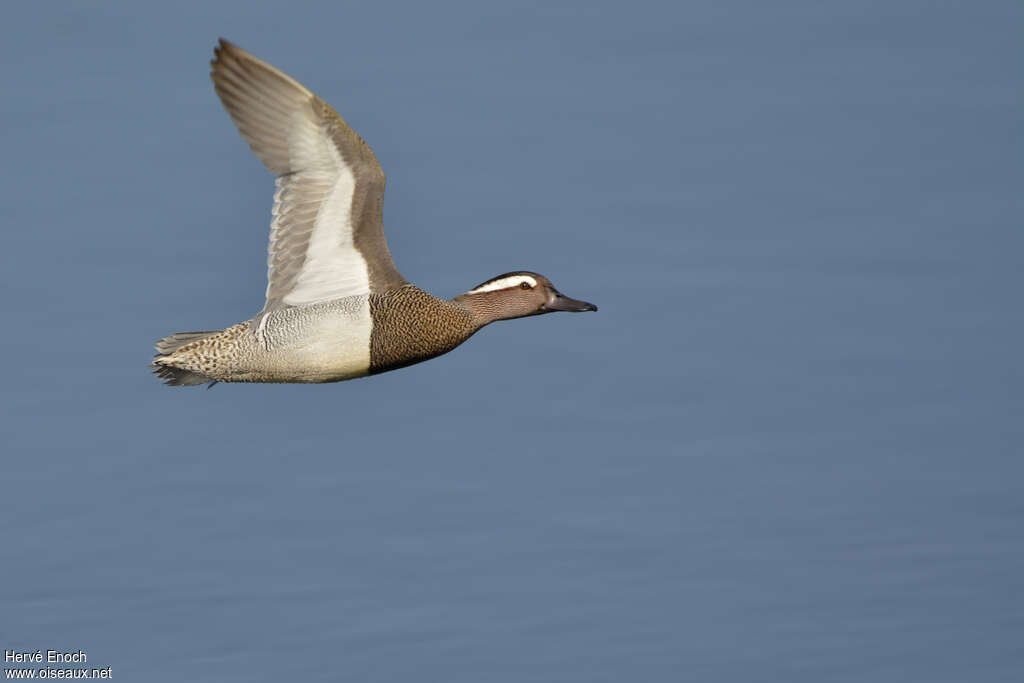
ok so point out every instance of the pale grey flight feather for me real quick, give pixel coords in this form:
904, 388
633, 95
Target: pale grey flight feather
329, 187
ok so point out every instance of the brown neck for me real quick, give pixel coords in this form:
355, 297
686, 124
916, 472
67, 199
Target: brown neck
487, 307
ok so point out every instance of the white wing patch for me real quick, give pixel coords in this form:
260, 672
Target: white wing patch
504, 283
333, 267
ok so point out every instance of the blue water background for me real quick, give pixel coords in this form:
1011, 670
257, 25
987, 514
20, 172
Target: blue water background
787, 448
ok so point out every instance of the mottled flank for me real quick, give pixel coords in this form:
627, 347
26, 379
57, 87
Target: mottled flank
410, 326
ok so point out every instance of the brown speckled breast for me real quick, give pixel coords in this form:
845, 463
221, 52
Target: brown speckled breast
410, 326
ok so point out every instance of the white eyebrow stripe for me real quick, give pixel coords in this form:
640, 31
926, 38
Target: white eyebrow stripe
504, 283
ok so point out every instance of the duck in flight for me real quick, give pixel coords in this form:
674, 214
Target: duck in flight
337, 307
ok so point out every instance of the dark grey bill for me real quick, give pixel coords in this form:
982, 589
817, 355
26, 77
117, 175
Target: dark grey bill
564, 303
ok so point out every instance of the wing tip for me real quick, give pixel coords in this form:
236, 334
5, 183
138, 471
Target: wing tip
223, 50
228, 57
225, 45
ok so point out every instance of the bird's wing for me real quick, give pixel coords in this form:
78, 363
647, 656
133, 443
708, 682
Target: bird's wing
326, 237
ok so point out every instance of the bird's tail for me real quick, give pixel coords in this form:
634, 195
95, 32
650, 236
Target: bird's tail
163, 363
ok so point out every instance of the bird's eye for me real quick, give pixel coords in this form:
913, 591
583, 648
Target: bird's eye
524, 285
